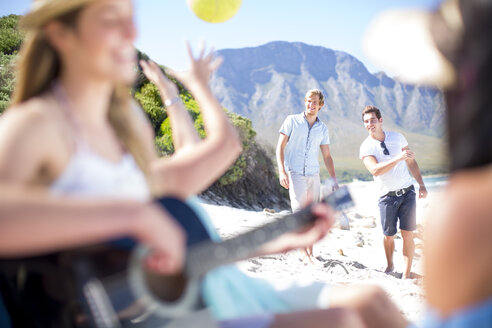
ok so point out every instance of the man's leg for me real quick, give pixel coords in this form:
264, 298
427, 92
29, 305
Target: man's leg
388, 209
408, 250
313, 194
389, 249
408, 223
309, 252
297, 193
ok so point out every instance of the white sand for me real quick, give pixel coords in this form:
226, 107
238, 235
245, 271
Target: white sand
344, 256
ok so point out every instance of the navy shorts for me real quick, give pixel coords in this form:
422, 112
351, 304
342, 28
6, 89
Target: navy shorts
393, 209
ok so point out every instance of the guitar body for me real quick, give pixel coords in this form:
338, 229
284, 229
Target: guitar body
103, 285
117, 289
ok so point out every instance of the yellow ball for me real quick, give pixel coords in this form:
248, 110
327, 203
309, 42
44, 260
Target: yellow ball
214, 11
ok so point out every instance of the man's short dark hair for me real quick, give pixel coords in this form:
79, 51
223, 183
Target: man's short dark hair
371, 109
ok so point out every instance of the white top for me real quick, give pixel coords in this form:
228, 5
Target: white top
398, 177
88, 174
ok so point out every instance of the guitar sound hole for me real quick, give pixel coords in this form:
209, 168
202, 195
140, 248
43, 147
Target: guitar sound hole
165, 288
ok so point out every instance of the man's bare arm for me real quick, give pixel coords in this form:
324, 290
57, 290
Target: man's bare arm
376, 168
328, 160
415, 170
282, 175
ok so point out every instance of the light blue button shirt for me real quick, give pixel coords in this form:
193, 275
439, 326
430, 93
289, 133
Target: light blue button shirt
301, 152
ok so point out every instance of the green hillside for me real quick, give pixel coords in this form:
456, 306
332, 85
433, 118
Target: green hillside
10, 41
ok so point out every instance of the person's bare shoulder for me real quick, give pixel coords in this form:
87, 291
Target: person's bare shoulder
460, 217
29, 134
458, 242
469, 195
468, 209
461, 213
34, 114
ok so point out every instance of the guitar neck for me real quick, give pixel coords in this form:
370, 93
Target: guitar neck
207, 255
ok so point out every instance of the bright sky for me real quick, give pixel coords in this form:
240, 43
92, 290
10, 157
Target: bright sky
164, 25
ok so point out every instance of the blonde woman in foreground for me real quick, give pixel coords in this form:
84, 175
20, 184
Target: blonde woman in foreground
73, 131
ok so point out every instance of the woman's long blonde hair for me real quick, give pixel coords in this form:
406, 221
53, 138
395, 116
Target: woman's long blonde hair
39, 65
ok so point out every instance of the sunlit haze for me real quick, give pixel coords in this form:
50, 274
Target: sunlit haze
164, 25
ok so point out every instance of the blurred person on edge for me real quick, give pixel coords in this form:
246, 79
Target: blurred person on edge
450, 48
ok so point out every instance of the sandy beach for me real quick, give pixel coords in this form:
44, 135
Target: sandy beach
343, 257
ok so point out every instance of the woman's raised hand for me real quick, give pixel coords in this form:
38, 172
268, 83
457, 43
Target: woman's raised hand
201, 68
155, 75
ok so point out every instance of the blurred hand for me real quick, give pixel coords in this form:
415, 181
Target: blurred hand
325, 217
201, 68
155, 75
371, 303
156, 229
335, 185
423, 192
407, 154
284, 180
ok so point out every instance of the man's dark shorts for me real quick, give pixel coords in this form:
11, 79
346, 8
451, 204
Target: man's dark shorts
394, 208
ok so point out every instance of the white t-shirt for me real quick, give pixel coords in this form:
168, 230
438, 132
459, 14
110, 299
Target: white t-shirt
398, 177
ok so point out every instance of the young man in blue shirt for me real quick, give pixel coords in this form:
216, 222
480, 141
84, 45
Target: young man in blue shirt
301, 137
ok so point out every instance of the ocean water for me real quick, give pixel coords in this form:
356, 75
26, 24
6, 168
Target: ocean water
434, 183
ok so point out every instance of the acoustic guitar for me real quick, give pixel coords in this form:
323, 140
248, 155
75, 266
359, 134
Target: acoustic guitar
113, 288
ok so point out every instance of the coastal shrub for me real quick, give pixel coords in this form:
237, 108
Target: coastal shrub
164, 145
164, 141
148, 97
141, 79
10, 36
10, 42
244, 127
150, 100
7, 76
234, 173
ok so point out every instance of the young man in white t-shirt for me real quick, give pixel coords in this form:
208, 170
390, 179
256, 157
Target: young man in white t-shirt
387, 156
